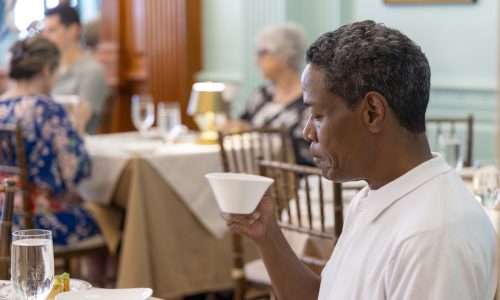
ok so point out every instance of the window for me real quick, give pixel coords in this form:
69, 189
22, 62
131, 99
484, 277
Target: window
28, 11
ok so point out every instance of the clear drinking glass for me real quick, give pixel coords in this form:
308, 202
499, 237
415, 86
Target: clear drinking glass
451, 149
486, 184
169, 116
32, 264
143, 112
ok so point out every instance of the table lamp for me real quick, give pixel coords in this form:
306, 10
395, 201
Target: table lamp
207, 107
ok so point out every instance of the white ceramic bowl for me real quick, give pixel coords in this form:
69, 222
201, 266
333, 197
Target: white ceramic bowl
238, 193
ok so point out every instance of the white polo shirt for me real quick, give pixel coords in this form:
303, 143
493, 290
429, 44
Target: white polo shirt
422, 236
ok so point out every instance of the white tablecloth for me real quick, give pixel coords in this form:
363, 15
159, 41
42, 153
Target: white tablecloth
182, 166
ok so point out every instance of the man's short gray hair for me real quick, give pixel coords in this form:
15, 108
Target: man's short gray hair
366, 56
286, 41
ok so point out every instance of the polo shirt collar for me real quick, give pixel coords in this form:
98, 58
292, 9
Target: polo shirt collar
380, 199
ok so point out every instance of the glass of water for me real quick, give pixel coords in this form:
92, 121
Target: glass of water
143, 112
168, 117
32, 264
450, 148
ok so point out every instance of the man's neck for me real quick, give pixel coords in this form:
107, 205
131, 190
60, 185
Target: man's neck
403, 157
71, 55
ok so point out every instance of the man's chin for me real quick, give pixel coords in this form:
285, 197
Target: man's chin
328, 173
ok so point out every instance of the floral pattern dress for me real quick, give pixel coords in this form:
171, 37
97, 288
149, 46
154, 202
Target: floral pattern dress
57, 161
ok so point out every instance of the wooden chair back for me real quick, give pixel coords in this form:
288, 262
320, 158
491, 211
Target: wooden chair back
8, 190
240, 152
13, 163
450, 127
306, 203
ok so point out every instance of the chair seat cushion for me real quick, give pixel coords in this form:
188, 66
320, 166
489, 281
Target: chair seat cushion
255, 271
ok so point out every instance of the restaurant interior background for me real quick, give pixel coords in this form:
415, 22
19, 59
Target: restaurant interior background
162, 47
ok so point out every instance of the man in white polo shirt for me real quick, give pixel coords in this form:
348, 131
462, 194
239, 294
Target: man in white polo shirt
415, 232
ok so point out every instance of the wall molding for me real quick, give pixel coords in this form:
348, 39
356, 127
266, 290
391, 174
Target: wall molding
216, 75
465, 84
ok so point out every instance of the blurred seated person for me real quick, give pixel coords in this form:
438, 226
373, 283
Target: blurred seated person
79, 72
55, 153
91, 34
280, 50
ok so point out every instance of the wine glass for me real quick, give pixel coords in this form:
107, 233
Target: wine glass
32, 264
143, 112
486, 185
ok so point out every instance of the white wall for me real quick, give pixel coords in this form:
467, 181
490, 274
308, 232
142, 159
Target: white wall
222, 40
459, 40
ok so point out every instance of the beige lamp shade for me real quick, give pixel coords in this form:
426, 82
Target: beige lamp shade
205, 105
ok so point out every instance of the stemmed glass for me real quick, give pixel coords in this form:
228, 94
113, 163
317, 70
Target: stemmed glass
486, 186
32, 264
143, 112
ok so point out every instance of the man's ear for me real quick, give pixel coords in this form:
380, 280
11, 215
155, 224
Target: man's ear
375, 109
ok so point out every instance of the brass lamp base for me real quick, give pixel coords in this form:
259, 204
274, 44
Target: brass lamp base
208, 137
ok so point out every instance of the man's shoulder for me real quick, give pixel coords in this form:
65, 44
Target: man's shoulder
89, 64
445, 204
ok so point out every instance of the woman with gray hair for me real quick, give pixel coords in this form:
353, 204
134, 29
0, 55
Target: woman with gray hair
279, 55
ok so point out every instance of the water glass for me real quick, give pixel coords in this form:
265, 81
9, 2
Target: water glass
451, 150
32, 264
143, 112
168, 116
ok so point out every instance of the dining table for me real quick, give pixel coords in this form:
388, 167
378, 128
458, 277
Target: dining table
156, 211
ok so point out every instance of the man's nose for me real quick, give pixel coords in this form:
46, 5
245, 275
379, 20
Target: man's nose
309, 132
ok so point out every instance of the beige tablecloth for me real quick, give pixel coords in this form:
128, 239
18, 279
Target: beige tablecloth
181, 166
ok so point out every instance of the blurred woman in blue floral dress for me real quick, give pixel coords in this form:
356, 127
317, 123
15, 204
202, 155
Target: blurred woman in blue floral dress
55, 153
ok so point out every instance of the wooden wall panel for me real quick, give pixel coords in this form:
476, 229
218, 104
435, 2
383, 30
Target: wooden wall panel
151, 46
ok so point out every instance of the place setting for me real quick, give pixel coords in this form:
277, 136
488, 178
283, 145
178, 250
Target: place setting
32, 274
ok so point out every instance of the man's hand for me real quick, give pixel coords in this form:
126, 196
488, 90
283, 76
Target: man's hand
257, 224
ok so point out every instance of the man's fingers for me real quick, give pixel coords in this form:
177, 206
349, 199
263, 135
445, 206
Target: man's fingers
240, 219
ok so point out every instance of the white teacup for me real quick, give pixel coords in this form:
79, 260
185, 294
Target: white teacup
238, 193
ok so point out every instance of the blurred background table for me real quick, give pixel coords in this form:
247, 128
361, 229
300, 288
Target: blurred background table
173, 239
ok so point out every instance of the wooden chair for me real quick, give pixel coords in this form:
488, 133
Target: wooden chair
451, 126
8, 189
240, 151
307, 205
12, 150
